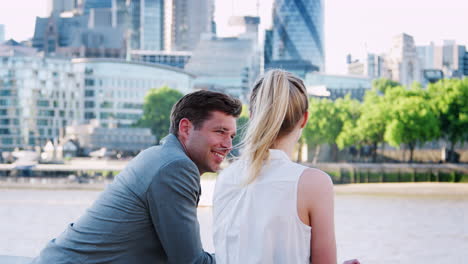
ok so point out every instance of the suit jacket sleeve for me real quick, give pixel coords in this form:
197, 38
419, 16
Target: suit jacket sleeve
172, 200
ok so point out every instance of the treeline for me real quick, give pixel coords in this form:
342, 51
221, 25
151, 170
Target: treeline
392, 114
389, 114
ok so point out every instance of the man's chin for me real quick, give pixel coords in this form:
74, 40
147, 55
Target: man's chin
212, 170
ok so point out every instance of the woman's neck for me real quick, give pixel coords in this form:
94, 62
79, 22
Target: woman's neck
287, 143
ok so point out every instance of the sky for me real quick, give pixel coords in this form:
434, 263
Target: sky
351, 26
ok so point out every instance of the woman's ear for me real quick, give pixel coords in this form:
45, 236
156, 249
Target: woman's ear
305, 117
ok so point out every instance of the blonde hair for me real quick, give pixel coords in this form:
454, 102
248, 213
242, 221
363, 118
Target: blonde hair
277, 103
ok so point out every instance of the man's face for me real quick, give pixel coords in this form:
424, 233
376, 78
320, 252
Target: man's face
211, 143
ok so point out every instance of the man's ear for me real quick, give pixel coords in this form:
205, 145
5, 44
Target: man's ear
185, 126
305, 118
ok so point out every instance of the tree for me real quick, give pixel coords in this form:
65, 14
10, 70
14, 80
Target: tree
324, 125
450, 98
157, 110
349, 112
412, 119
371, 125
382, 85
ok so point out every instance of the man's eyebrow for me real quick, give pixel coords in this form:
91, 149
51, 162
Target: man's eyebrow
221, 127
224, 129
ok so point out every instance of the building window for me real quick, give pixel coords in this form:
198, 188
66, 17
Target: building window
89, 115
106, 105
5, 92
89, 104
89, 82
7, 141
42, 122
89, 93
105, 115
4, 121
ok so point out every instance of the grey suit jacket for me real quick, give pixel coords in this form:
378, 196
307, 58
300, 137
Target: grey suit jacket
147, 215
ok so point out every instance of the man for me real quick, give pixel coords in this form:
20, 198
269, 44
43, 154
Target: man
149, 213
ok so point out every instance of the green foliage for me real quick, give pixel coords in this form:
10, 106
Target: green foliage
391, 113
412, 118
391, 177
324, 123
463, 178
349, 113
447, 177
382, 85
157, 110
375, 115
450, 98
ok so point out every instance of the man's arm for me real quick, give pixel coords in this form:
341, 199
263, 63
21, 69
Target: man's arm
172, 200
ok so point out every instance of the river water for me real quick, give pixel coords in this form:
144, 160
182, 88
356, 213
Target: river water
373, 228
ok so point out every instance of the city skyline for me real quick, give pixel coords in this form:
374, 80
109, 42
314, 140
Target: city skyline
350, 27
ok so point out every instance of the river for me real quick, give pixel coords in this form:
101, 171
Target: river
373, 227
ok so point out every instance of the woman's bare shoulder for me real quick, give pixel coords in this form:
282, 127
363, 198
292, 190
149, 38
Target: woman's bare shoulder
315, 178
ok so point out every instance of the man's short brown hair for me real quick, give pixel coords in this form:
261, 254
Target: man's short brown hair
198, 106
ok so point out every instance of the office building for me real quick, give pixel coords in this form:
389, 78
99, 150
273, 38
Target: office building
185, 21
92, 136
114, 90
402, 63
268, 47
373, 66
229, 65
298, 32
450, 59
426, 56
2, 33
59, 6
142, 22
465, 64
100, 18
88, 5
337, 86
38, 98
171, 58
79, 36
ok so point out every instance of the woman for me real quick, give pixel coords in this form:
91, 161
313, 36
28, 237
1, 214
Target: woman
268, 209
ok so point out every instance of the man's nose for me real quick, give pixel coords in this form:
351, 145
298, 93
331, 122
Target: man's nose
227, 143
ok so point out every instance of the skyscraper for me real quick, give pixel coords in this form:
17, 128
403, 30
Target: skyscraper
93, 4
145, 21
450, 58
185, 21
152, 18
2, 33
59, 6
402, 61
298, 32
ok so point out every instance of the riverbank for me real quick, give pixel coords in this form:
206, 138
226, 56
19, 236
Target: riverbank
405, 189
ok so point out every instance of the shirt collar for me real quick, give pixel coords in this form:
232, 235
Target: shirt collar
278, 154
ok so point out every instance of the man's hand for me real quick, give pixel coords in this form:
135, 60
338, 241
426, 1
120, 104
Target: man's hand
352, 261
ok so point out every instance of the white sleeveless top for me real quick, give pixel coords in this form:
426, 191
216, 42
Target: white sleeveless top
258, 223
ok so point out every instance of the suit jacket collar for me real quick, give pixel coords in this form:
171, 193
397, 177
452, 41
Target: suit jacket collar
171, 140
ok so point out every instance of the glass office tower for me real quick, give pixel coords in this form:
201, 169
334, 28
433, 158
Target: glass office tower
298, 31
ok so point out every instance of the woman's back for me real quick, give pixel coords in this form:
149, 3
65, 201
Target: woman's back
259, 222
